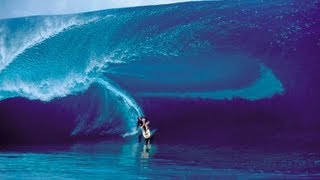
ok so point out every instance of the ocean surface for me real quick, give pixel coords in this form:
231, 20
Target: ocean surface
112, 159
232, 88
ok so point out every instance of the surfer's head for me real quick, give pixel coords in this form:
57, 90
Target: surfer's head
143, 119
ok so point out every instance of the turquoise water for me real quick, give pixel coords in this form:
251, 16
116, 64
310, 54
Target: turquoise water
111, 159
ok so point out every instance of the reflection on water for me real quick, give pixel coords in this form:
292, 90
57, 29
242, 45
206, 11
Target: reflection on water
132, 160
145, 153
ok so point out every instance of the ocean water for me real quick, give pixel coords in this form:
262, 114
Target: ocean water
111, 159
231, 87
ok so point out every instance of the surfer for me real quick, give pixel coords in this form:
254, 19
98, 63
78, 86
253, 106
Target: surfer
143, 123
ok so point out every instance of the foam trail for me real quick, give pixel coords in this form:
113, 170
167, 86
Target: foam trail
129, 102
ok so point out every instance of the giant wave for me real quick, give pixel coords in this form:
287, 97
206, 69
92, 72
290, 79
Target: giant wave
209, 50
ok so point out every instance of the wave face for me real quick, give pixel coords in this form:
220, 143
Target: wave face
199, 50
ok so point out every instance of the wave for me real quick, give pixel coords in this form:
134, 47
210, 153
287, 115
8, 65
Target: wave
17, 35
106, 112
202, 50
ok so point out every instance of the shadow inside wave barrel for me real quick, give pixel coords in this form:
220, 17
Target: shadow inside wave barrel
269, 123
64, 120
25, 121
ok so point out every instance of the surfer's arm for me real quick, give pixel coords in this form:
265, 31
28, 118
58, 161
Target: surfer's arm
146, 125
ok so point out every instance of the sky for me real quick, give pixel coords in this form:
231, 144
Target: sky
19, 8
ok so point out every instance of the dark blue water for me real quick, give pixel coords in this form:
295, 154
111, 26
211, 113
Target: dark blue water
231, 87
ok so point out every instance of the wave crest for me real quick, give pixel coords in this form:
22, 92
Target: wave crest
32, 31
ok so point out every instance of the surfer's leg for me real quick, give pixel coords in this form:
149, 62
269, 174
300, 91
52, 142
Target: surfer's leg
147, 141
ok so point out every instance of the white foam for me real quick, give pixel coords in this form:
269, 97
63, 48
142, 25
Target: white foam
98, 65
46, 90
50, 88
134, 132
129, 102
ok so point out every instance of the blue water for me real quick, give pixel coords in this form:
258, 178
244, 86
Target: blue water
210, 76
130, 161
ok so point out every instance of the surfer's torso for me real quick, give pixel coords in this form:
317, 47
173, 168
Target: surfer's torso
145, 132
